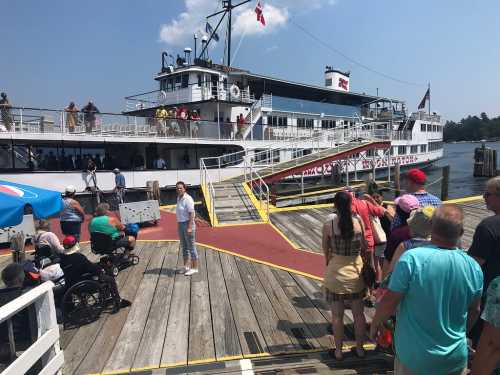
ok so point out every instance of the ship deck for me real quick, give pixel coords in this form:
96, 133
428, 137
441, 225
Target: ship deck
237, 308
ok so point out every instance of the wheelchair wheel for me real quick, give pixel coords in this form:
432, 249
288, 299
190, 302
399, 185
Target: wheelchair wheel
83, 302
134, 259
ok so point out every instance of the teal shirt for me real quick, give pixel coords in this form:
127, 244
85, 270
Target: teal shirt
101, 224
438, 285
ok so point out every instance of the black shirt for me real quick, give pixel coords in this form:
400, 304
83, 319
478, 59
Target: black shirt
486, 245
76, 265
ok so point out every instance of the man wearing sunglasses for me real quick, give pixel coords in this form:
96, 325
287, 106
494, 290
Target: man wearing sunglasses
485, 248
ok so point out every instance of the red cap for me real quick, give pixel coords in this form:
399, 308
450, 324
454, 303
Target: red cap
417, 176
69, 241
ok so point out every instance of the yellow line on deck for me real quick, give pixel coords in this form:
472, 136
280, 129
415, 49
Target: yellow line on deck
368, 346
298, 208
465, 199
255, 202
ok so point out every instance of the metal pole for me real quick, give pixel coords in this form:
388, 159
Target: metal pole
444, 183
230, 8
302, 182
389, 164
397, 174
347, 172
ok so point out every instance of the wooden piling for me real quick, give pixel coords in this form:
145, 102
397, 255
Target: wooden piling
485, 162
444, 183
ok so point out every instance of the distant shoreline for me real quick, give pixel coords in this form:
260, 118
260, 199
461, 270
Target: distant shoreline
480, 141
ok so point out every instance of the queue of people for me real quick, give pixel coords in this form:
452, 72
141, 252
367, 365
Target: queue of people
177, 121
444, 301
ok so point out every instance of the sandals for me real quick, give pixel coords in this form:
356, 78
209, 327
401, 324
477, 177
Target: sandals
333, 353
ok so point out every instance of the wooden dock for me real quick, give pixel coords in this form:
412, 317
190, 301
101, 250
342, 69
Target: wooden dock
234, 310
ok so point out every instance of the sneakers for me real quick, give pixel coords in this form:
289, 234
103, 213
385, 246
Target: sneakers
120, 305
190, 272
182, 270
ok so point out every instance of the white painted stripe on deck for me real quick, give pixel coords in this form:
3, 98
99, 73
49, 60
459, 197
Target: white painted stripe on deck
246, 367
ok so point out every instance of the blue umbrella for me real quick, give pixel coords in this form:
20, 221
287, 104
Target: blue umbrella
14, 197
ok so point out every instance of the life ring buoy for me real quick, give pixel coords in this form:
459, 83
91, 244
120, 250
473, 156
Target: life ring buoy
234, 91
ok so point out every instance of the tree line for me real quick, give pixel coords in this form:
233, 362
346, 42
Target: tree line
472, 128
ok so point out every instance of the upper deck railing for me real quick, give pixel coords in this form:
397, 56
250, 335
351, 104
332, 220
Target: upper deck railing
35, 121
421, 115
190, 93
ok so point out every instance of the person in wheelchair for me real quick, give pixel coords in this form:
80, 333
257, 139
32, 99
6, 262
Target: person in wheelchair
103, 222
46, 242
78, 268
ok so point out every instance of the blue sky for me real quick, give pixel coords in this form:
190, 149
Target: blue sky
56, 51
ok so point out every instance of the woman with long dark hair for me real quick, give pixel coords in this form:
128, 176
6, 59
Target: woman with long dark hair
344, 245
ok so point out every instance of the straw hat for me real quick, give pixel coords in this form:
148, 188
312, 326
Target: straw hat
419, 222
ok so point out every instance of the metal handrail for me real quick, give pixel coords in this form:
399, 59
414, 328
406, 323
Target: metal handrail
332, 137
258, 181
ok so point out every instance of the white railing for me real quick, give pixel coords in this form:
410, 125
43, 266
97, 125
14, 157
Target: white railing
189, 94
421, 115
320, 140
206, 182
267, 101
260, 190
46, 347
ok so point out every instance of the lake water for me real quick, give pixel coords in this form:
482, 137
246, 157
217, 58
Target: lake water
460, 158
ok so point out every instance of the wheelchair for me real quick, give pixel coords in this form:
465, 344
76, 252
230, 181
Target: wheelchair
83, 302
113, 258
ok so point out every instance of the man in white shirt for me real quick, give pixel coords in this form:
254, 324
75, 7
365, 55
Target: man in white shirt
160, 163
184, 212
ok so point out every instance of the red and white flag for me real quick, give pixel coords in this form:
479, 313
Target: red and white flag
260, 15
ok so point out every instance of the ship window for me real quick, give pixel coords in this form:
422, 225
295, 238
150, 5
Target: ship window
185, 81
300, 152
429, 127
328, 82
305, 123
433, 146
170, 84
413, 149
369, 153
163, 84
328, 124
401, 150
423, 148
392, 150
422, 127
282, 121
199, 80
266, 156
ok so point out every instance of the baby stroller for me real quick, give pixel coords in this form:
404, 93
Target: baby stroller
113, 257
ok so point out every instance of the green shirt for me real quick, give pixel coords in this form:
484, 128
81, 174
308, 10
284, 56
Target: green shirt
101, 224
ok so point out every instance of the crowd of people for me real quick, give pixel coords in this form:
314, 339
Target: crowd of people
444, 302
406, 259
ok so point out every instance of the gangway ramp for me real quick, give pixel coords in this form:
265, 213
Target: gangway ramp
245, 198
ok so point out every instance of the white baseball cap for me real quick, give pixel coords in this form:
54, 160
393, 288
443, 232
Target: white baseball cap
70, 189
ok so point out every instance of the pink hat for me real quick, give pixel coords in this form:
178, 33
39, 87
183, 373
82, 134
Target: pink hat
407, 202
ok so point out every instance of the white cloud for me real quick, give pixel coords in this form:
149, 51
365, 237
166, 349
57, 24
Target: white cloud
180, 30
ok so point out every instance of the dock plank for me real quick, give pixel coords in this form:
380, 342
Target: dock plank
226, 339
249, 333
127, 343
84, 337
290, 320
277, 339
105, 342
313, 318
151, 345
201, 342
175, 348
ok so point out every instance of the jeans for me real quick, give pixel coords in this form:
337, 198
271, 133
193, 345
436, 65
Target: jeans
72, 228
188, 245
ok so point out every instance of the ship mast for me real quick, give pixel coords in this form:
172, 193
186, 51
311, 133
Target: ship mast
228, 7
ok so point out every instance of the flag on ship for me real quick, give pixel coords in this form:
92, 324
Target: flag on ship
210, 30
426, 97
260, 14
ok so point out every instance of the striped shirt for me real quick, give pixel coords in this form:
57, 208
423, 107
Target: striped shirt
424, 199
